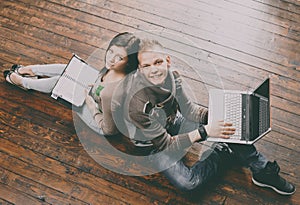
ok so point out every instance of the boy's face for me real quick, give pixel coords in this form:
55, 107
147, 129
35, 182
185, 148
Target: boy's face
154, 65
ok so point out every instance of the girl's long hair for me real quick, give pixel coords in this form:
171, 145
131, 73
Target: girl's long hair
131, 44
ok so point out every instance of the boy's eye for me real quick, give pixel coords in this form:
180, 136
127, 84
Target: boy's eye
158, 62
145, 66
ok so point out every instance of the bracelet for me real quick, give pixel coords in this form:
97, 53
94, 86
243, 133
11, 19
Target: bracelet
202, 133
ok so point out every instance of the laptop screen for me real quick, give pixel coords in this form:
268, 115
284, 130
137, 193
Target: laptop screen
263, 89
261, 109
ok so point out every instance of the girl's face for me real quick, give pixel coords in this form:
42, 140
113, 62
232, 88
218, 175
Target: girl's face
116, 58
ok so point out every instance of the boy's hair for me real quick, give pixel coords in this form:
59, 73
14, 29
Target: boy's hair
131, 44
149, 44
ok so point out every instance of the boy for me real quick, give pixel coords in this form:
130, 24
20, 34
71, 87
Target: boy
158, 113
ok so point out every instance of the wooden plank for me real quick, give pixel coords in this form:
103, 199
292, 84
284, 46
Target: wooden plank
287, 129
35, 43
65, 151
75, 174
25, 125
12, 196
266, 196
44, 40
4, 202
294, 95
36, 114
56, 182
279, 103
40, 33
34, 189
281, 9
45, 113
215, 19
205, 7
54, 139
70, 170
283, 116
31, 52
283, 140
294, 2
93, 36
289, 6
203, 45
60, 25
79, 160
262, 12
279, 116
24, 129
9, 58
37, 131
212, 19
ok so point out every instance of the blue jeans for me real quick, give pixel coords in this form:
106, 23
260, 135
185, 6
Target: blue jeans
208, 167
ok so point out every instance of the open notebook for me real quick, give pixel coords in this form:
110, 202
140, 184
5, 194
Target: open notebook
75, 81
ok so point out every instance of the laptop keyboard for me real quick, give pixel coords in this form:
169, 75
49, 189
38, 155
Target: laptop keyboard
233, 112
263, 116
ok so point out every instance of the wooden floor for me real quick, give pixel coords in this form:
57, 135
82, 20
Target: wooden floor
243, 41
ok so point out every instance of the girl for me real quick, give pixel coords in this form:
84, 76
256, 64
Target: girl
120, 59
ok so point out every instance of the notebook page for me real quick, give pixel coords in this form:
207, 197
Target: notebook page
74, 81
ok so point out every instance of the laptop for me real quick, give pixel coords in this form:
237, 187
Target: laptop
248, 111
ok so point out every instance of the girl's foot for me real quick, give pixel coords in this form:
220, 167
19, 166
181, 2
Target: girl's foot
22, 71
13, 78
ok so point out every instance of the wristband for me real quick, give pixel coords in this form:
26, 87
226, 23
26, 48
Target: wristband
202, 133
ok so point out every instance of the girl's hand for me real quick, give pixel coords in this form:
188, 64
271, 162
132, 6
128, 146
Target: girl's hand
90, 102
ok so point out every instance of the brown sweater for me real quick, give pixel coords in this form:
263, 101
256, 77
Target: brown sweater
151, 108
102, 93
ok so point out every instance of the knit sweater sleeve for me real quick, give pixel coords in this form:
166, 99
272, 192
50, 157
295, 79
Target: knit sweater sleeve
189, 109
107, 122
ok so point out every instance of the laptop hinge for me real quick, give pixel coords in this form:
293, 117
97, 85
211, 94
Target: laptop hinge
250, 117
245, 117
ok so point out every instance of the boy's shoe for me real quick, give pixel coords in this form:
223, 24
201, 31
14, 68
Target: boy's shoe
269, 177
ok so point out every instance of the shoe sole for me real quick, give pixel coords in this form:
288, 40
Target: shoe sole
274, 188
9, 80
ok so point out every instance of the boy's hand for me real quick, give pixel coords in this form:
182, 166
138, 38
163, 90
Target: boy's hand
222, 130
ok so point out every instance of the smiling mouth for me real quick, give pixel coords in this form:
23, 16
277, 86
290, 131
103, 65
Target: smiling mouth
156, 76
